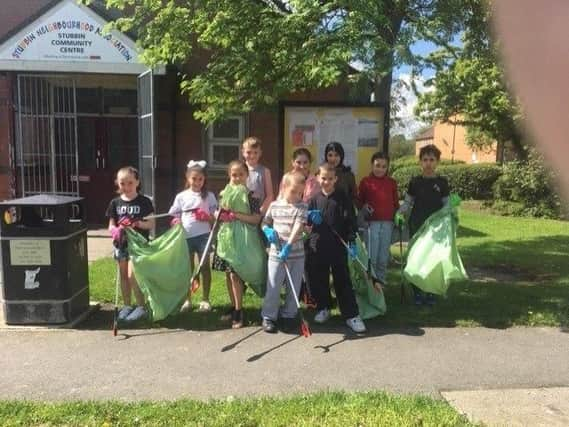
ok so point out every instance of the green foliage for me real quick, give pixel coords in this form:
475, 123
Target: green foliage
400, 147
526, 189
256, 52
412, 160
469, 181
470, 87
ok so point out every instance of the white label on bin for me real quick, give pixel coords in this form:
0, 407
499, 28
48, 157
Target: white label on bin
31, 282
30, 252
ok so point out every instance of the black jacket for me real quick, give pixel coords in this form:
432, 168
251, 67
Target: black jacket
337, 214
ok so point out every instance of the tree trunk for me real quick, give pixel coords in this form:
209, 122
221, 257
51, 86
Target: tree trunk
383, 97
517, 145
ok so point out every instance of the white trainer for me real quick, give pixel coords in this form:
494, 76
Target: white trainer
204, 307
187, 306
356, 324
124, 312
322, 316
138, 313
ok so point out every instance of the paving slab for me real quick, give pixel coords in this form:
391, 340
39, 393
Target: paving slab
168, 364
514, 407
99, 244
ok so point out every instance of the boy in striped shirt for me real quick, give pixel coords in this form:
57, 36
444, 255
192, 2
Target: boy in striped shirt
287, 216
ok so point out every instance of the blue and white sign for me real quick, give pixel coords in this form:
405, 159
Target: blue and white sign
70, 37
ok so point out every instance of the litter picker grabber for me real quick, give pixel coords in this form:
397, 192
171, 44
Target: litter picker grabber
306, 294
116, 310
402, 264
304, 328
128, 222
376, 283
195, 280
163, 215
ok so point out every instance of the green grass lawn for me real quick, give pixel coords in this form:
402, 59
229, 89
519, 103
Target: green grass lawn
520, 276
330, 409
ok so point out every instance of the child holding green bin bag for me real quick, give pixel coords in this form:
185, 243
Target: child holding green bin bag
240, 252
426, 194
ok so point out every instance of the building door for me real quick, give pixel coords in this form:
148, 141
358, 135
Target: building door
108, 140
107, 144
73, 132
147, 158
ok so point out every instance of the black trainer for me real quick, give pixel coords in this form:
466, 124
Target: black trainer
269, 326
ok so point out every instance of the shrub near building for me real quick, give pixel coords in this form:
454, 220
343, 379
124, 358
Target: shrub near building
469, 181
526, 188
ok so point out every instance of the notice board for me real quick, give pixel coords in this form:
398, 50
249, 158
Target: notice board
358, 129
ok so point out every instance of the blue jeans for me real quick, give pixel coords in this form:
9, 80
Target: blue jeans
379, 242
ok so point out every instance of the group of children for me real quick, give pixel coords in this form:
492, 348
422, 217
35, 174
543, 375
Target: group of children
311, 227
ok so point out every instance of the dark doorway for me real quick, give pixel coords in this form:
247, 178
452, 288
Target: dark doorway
105, 145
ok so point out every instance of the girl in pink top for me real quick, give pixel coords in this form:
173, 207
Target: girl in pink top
301, 160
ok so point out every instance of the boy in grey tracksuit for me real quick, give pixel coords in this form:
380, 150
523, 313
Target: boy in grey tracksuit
287, 216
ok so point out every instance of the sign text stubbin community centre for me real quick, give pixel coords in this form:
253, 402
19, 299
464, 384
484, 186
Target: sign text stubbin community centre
71, 38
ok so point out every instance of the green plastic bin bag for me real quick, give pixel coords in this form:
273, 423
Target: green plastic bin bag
162, 269
240, 244
433, 261
371, 303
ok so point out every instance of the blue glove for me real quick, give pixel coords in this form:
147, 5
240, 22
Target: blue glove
284, 252
352, 250
315, 217
270, 234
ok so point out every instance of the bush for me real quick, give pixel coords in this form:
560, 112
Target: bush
525, 189
408, 161
469, 181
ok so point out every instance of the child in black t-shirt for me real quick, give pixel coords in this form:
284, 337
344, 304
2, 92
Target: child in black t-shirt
326, 253
128, 210
426, 194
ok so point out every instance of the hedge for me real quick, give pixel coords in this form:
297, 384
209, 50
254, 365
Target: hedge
469, 181
408, 161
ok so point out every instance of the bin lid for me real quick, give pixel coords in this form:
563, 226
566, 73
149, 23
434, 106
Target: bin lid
41, 200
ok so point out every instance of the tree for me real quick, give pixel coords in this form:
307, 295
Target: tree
470, 88
399, 146
259, 50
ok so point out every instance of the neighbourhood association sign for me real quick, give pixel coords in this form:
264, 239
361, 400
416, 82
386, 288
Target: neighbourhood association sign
69, 32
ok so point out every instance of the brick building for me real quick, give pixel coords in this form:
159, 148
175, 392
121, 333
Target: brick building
76, 104
451, 140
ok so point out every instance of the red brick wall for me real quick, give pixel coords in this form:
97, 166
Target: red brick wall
176, 125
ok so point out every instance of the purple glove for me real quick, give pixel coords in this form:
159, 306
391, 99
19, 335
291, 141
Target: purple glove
116, 233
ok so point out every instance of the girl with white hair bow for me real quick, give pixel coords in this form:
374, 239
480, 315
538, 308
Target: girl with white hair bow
194, 208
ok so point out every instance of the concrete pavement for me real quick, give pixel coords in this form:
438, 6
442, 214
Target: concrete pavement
99, 244
547, 407
172, 363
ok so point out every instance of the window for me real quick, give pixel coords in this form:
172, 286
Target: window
224, 141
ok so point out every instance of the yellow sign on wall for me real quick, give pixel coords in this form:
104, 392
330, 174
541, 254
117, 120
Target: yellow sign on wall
358, 129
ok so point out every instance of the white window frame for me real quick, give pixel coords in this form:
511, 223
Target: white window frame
212, 141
